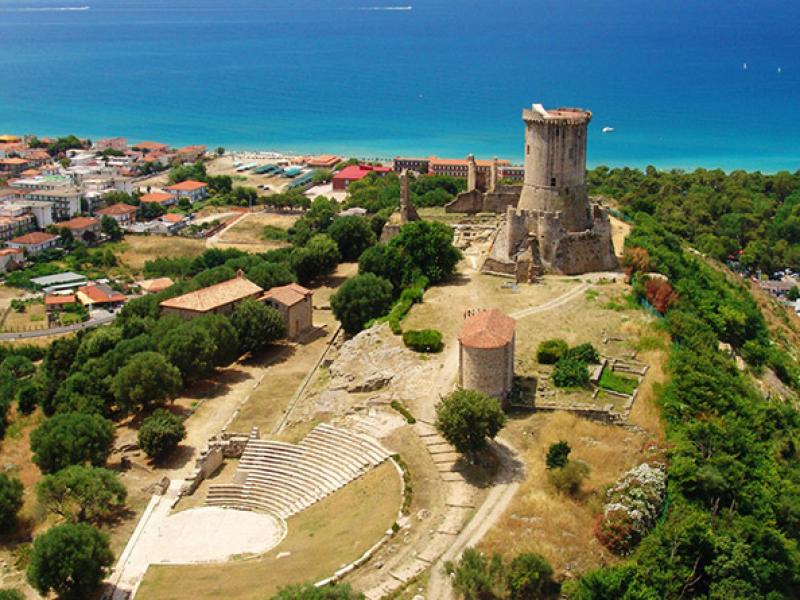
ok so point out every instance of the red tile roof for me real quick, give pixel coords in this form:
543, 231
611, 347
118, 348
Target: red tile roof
187, 186
357, 172
487, 329
117, 209
101, 294
150, 146
13, 161
215, 296
35, 237
173, 217
79, 223
153, 286
288, 295
8, 251
59, 299
156, 197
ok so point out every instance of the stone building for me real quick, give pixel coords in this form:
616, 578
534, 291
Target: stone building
405, 214
550, 224
295, 305
486, 354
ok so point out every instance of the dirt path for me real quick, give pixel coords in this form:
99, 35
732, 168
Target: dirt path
495, 504
554, 303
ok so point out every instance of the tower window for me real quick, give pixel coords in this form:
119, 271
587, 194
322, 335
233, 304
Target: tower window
552, 182
528, 149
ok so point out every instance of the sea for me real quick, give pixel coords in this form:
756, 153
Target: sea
683, 83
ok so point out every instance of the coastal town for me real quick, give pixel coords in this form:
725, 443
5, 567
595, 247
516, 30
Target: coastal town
259, 375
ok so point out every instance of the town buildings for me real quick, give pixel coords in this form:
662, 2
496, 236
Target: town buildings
124, 214
221, 298
34, 242
84, 229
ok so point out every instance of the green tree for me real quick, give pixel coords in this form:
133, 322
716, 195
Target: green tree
429, 246
308, 591
353, 235
257, 325
225, 336
9, 594
191, 349
220, 151
558, 455
585, 353
466, 418
10, 501
82, 493
147, 379
269, 275
385, 261
71, 439
361, 299
161, 433
29, 396
70, 560
19, 366
110, 227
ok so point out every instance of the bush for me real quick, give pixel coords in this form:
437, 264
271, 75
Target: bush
308, 591
403, 411
70, 560
271, 232
558, 455
29, 395
161, 433
530, 576
550, 351
569, 478
9, 594
570, 373
10, 501
423, 340
585, 353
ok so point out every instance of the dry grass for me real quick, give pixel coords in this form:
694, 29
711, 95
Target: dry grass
138, 249
33, 318
542, 520
619, 231
250, 227
320, 540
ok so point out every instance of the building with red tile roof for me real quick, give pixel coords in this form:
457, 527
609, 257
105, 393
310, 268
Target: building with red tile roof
220, 298
99, 294
12, 166
193, 191
34, 242
85, 229
295, 305
348, 175
324, 161
486, 353
153, 286
158, 198
122, 213
151, 146
58, 301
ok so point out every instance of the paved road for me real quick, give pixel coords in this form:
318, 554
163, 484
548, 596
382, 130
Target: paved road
23, 335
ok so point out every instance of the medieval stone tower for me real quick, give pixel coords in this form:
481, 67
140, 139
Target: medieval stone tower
555, 164
553, 227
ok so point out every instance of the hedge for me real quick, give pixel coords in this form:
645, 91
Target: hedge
423, 340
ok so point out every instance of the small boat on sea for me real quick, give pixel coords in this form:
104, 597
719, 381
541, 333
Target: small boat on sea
608, 130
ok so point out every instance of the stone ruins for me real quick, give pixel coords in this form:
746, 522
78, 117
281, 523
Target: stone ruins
550, 224
405, 214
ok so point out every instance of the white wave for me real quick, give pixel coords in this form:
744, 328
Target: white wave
45, 9
386, 8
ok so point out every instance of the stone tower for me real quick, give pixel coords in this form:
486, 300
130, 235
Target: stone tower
555, 164
405, 214
553, 227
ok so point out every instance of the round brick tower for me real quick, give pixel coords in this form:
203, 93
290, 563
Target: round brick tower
555, 164
486, 354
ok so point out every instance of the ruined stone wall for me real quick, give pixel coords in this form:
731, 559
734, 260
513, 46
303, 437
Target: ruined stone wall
496, 201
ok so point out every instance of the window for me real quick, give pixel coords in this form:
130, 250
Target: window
552, 182
528, 149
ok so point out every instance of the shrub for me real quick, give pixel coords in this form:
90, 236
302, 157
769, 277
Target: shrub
10, 594
659, 294
403, 411
271, 232
558, 455
423, 340
308, 591
570, 373
10, 501
530, 576
81, 493
550, 351
161, 433
569, 478
584, 352
29, 395
631, 508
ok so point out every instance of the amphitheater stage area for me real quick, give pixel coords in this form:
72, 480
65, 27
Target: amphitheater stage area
212, 534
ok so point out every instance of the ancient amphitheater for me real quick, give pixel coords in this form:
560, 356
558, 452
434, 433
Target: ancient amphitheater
283, 479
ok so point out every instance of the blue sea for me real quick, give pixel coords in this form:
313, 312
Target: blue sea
684, 83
